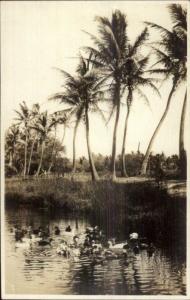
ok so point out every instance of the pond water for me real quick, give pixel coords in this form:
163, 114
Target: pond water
40, 270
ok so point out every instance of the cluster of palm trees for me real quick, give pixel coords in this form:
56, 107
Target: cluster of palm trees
110, 71
32, 128
116, 68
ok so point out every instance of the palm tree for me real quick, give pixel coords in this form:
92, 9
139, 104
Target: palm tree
182, 152
12, 138
43, 125
110, 55
82, 93
24, 118
57, 118
134, 79
33, 115
172, 56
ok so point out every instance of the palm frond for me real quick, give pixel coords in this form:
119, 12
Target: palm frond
139, 42
67, 76
164, 32
148, 83
178, 15
97, 61
111, 114
100, 112
104, 50
143, 96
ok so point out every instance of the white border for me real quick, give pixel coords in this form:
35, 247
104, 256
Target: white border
44, 296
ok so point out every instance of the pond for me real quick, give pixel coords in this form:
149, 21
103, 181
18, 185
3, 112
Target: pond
39, 270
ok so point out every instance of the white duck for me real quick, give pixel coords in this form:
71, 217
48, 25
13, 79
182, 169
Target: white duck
117, 247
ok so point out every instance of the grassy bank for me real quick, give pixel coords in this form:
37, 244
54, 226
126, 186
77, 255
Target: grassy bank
118, 207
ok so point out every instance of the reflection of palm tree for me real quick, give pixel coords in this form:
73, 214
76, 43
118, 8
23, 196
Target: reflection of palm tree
24, 118
110, 56
172, 55
82, 93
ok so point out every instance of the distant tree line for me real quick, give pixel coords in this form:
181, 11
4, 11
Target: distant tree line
113, 71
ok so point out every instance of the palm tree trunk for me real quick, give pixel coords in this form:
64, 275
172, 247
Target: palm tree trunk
62, 140
64, 132
182, 152
91, 161
41, 157
30, 158
10, 158
117, 94
148, 151
25, 154
51, 162
123, 166
182, 122
74, 146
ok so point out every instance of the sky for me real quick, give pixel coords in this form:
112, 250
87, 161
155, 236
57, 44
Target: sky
37, 36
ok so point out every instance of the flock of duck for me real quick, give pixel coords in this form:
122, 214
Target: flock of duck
91, 243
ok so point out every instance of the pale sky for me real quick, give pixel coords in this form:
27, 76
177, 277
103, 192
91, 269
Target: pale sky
37, 36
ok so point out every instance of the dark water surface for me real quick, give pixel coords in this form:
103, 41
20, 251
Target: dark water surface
40, 270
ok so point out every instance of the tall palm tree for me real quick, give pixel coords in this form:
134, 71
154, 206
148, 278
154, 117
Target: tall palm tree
34, 113
182, 152
12, 138
82, 93
110, 54
135, 79
172, 57
57, 118
24, 118
43, 125
182, 123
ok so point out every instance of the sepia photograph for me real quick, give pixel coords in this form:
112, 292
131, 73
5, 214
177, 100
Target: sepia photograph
94, 150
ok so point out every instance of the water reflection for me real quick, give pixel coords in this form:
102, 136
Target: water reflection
40, 270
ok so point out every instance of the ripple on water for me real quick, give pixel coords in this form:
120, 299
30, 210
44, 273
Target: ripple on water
40, 270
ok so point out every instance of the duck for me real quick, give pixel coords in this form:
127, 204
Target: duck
23, 244
118, 246
143, 243
45, 242
32, 239
69, 233
134, 236
63, 249
136, 249
110, 255
151, 249
57, 230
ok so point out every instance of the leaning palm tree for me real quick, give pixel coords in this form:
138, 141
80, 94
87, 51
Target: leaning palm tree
172, 58
110, 52
182, 123
135, 79
182, 152
82, 93
43, 125
23, 118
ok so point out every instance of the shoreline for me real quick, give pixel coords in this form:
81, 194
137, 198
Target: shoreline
78, 195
